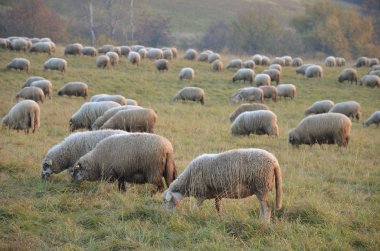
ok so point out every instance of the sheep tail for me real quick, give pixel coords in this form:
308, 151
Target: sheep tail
278, 182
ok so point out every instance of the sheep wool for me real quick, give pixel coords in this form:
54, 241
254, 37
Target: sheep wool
370, 81
348, 74
45, 85
235, 63
244, 74
21, 64
99, 122
103, 61
134, 58
32, 93
322, 106
287, 90
24, 115
274, 74
78, 89
258, 122
270, 92
190, 93
262, 79
349, 108
245, 108
186, 73
373, 119
31, 80
248, 94
106, 97
57, 64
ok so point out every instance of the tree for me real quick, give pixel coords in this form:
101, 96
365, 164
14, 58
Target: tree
217, 36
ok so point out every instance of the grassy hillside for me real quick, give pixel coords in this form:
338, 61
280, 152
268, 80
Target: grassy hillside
331, 194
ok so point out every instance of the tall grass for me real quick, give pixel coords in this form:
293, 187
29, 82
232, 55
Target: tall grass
331, 195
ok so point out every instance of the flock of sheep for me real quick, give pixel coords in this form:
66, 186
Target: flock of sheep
121, 144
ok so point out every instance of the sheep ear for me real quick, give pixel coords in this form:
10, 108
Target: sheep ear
50, 162
168, 196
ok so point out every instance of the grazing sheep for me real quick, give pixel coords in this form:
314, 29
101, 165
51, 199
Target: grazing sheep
132, 102
134, 58
265, 61
314, 71
4, 43
373, 119
203, 56
279, 61
270, 92
114, 58
45, 85
155, 54
244, 74
330, 61
248, 94
162, 65
373, 61
58, 64
258, 122
340, 62
325, 128
376, 73
116, 49
245, 108
88, 113
322, 106
125, 50
348, 74
65, 154
302, 69
24, 115
375, 67
250, 64
217, 65
174, 51
77, 89
136, 47
41, 47
19, 44
287, 60
191, 54
186, 73
133, 158
297, 62
103, 61
21, 64
73, 49
190, 93
132, 120
235, 63
31, 80
167, 54
362, 62
276, 67
106, 97
274, 75
262, 79
105, 48
370, 81
32, 93
212, 57
99, 122
232, 174
257, 58
143, 53
349, 108
287, 90
89, 51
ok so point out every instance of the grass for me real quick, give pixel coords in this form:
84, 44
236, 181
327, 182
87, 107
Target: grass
331, 195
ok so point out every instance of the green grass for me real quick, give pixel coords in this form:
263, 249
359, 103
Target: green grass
331, 195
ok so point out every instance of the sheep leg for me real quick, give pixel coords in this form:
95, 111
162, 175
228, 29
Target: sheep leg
121, 185
265, 211
218, 205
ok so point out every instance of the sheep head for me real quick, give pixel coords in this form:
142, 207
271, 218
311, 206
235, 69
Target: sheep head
171, 200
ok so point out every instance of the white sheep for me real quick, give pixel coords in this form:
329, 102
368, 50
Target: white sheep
162, 65
232, 174
248, 94
322, 106
244, 74
257, 58
134, 58
297, 62
105, 48
287, 60
133, 158
190, 93
279, 61
250, 64
58, 64
302, 69
217, 65
203, 56
88, 113
330, 61
340, 61
325, 128
370, 81
103, 61
136, 47
213, 56
155, 53
89, 51
99, 122
270, 92
116, 49
125, 50
114, 58
65, 154
287, 90
373, 119
167, 54
32, 93
258, 122
274, 74
77, 89
107, 97
265, 60
348, 74
349, 108
362, 62
314, 71
235, 63
245, 108
31, 80
21, 64
42, 47
262, 79
143, 53
373, 61
45, 85
186, 73
276, 66
19, 44
24, 115
174, 51
191, 54
73, 49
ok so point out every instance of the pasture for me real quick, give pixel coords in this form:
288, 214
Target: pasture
331, 195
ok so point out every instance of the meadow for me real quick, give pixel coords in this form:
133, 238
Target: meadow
331, 195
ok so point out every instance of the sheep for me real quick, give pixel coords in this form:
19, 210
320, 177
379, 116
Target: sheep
340, 62
287, 60
373, 61
262, 79
99, 122
114, 58
190, 93
235, 63
58, 64
276, 66
19, 44
32, 93
77, 89
162, 65
132, 120
125, 50
370, 81
88, 113
274, 75
21, 64
4, 43
376, 73
217, 65
349, 108
30, 80
325, 128
103, 61
245, 108
270, 92
65, 154
24, 115
243, 74
314, 71
373, 119
117, 50
73, 49
132, 102
257, 58
45, 85
287, 90
143, 53
279, 61
45, 39
105, 48
155, 54
134, 58
297, 62
265, 61
167, 54
191, 54
41, 47
362, 62
349, 74
186, 73
248, 94
322, 106
203, 56
133, 158
233, 174
89, 51
106, 97
212, 57
258, 122
375, 67
302, 69
330, 61
174, 51
250, 64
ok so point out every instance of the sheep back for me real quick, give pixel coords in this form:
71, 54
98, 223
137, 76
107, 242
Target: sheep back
191, 93
99, 122
24, 115
373, 119
257, 122
322, 106
32, 93
349, 108
78, 89
247, 107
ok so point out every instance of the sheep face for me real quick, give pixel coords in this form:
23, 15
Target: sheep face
293, 138
46, 169
77, 173
170, 200
237, 98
